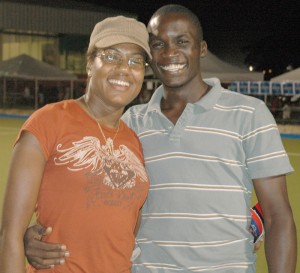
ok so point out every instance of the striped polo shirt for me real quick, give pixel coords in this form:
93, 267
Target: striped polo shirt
196, 216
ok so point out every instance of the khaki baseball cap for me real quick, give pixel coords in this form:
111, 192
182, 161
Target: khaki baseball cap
117, 30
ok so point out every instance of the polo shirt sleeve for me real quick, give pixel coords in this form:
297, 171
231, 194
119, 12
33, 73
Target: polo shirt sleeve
265, 153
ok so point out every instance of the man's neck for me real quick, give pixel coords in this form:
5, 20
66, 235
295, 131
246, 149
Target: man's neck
184, 95
174, 100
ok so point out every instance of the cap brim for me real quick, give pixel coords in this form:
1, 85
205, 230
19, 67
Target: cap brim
119, 39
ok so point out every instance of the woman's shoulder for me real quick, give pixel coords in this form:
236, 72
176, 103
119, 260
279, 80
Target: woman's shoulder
56, 108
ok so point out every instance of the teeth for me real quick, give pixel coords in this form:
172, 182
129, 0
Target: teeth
118, 82
173, 67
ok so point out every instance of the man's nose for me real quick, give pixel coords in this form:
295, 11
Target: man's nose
171, 51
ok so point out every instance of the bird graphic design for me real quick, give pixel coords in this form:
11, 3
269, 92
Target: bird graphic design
120, 166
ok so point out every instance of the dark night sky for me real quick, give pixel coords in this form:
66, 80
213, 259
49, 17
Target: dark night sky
231, 25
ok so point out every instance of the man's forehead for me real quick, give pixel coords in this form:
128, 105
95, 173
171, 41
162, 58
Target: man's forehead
170, 24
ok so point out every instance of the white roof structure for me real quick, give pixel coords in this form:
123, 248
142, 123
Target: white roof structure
26, 67
292, 76
212, 66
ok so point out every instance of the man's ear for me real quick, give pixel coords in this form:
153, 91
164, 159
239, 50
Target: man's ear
203, 49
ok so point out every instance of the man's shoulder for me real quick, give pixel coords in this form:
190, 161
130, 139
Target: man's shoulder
136, 110
232, 97
134, 113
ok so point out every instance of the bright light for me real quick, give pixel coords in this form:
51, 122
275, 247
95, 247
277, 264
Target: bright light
251, 68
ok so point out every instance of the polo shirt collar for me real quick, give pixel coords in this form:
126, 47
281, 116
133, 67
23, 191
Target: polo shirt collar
207, 102
211, 98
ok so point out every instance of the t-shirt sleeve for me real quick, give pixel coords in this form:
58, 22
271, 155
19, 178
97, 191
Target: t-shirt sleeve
265, 153
42, 125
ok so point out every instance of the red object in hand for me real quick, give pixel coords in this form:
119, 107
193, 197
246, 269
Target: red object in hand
257, 223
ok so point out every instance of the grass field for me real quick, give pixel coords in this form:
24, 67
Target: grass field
9, 129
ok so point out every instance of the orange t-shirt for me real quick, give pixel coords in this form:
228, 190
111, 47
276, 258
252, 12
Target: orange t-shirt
91, 191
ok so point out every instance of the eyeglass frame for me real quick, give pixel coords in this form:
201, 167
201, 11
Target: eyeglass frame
102, 54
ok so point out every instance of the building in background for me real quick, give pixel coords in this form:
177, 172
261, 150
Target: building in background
56, 34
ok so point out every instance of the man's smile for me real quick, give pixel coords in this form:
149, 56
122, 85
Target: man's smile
173, 67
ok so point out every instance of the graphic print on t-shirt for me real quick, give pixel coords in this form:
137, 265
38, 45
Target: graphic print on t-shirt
116, 169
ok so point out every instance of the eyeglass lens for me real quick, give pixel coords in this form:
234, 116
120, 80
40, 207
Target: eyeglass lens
112, 57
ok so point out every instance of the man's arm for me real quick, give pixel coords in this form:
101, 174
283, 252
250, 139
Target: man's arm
138, 222
43, 255
280, 230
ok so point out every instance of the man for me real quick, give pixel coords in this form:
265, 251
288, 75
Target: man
205, 149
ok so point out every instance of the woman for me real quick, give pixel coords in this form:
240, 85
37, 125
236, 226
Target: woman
79, 166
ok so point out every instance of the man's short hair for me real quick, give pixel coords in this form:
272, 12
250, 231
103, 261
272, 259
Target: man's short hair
173, 8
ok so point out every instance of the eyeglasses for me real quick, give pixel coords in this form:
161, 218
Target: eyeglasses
112, 57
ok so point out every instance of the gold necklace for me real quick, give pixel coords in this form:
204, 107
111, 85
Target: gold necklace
99, 125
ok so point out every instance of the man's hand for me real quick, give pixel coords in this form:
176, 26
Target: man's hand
43, 255
258, 244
